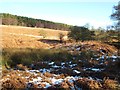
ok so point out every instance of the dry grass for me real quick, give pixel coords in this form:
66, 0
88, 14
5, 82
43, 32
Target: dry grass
14, 79
109, 84
99, 45
26, 37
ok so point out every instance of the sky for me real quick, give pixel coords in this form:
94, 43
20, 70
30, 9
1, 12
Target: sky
72, 12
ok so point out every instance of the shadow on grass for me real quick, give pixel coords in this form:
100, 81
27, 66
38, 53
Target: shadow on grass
49, 41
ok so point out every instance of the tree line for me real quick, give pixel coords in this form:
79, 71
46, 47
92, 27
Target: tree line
9, 19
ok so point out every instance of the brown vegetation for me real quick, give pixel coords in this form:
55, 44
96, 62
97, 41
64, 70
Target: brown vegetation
22, 79
74, 58
26, 37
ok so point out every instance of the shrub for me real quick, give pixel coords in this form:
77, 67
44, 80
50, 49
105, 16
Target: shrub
81, 34
61, 35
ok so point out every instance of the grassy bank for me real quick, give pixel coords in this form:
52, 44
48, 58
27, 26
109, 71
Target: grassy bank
27, 56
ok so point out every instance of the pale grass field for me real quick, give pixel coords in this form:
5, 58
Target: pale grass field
27, 37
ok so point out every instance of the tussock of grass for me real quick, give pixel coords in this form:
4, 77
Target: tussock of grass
110, 84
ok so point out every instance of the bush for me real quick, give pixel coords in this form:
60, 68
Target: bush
81, 34
61, 35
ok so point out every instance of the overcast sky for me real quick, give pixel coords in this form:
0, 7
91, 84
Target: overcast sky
77, 12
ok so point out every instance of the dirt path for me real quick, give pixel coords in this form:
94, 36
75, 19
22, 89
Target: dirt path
35, 36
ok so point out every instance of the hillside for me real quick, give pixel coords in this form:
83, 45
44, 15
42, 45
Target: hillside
27, 37
9, 19
31, 60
